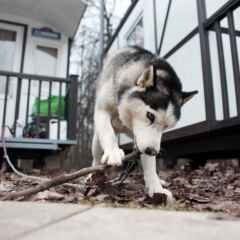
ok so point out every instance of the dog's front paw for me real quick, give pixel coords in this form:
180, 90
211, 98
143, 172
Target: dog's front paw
156, 189
113, 157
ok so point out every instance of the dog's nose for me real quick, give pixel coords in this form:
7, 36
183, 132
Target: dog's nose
150, 151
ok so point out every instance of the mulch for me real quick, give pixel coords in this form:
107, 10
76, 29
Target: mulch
213, 187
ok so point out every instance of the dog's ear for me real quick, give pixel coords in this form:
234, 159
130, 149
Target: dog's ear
186, 96
147, 78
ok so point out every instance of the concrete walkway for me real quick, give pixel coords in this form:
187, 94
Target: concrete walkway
34, 221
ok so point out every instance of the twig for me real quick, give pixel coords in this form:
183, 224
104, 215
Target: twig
62, 179
3, 168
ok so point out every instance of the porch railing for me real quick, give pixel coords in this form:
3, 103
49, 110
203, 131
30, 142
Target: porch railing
222, 23
26, 103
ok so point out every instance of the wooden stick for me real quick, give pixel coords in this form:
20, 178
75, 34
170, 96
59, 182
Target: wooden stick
62, 179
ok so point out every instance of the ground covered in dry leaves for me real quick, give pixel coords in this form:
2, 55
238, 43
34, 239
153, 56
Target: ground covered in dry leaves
213, 187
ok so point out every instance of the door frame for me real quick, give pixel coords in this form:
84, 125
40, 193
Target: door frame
21, 30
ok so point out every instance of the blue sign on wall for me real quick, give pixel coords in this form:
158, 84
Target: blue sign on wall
46, 33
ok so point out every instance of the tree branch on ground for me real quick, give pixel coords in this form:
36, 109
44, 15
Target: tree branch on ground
62, 179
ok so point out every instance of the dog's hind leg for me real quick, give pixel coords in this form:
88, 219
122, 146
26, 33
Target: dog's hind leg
97, 153
152, 180
97, 150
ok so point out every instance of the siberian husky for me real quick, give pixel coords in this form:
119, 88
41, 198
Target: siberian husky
141, 95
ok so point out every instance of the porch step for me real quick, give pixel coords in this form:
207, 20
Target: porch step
30, 143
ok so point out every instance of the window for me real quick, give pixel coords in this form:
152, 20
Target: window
46, 61
136, 36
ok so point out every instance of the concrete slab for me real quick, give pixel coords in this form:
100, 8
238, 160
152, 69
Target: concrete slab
76, 222
20, 218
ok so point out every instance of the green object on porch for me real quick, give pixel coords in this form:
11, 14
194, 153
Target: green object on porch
43, 104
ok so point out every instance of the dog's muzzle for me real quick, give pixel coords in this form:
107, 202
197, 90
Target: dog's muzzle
150, 151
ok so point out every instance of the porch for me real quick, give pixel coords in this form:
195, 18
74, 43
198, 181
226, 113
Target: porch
38, 94
37, 112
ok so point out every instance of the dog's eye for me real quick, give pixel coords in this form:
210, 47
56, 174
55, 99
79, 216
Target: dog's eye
151, 117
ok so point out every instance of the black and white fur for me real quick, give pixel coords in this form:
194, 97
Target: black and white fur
141, 95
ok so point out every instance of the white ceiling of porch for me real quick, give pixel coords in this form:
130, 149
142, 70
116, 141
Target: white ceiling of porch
64, 15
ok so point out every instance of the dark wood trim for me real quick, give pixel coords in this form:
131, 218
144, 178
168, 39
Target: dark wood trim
222, 69
70, 42
187, 131
28, 100
206, 63
25, 33
13, 23
235, 121
72, 107
17, 104
227, 31
200, 128
155, 26
214, 144
181, 43
235, 59
164, 27
121, 24
32, 76
221, 13
5, 104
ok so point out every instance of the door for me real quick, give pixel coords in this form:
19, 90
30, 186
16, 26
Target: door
11, 50
11, 41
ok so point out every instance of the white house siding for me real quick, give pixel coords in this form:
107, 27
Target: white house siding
61, 68
187, 63
182, 19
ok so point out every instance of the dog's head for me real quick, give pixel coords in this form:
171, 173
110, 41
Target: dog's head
153, 105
